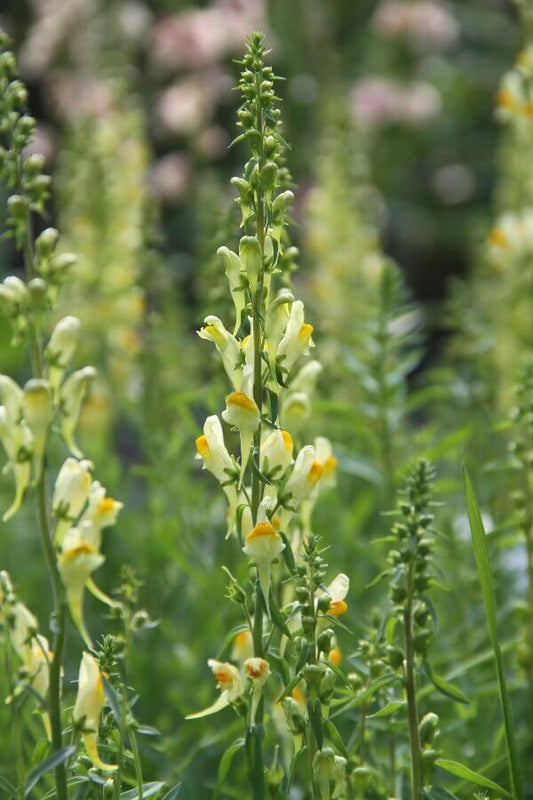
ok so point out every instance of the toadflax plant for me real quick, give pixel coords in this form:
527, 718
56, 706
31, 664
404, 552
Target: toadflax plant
71, 516
283, 680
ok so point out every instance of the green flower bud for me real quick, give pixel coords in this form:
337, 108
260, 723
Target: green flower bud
36, 294
428, 728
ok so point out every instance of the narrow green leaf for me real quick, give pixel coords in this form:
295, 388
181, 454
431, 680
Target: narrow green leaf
444, 687
292, 769
114, 700
276, 617
460, 771
225, 763
336, 738
481, 554
314, 713
7, 787
148, 790
287, 554
439, 793
389, 709
174, 793
53, 761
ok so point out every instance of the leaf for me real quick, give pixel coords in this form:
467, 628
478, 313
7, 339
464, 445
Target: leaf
389, 709
276, 617
114, 700
460, 771
7, 787
53, 761
148, 790
147, 730
288, 555
444, 687
174, 793
225, 763
314, 712
367, 693
228, 639
292, 769
336, 738
438, 793
379, 577
481, 553
75, 781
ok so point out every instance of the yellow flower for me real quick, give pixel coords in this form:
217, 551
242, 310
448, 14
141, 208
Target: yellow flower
237, 279
228, 347
276, 453
78, 560
61, 348
297, 337
242, 647
39, 413
71, 492
73, 393
258, 670
242, 412
17, 440
337, 591
276, 321
230, 684
263, 546
90, 701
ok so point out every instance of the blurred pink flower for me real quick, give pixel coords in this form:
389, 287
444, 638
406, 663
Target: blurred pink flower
426, 22
379, 101
169, 177
188, 104
72, 96
197, 38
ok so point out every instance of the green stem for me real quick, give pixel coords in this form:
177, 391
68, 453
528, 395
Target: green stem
58, 594
136, 763
410, 687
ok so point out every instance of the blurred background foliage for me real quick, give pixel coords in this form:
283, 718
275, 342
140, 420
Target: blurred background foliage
401, 173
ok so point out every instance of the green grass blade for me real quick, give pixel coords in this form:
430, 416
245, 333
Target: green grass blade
481, 555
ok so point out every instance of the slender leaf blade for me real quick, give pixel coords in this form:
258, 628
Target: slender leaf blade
481, 554
460, 771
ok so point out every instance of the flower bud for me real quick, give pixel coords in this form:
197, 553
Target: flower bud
294, 715
251, 257
37, 294
228, 347
90, 702
428, 728
61, 348
61, 264
46, 243
324, 770
70, 493
39, 413
72, 395
237, 279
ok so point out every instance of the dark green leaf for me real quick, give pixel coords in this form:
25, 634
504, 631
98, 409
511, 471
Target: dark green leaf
438, 793
460, 771
225, 763
288, 555
444, 687
389, 709
481, 554
7, 787
148, 790
276, 617
53, 761
336, 738
314, 712
174, 793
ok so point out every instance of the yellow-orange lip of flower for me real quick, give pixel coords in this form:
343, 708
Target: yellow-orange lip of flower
335, 656
330, 465
242, 401
215, 334
260, 530
298, 695
202, 446
223, 677
287, 441
305, 332
70, 555
315, 473
107, 505
242, 638
256, 672
505, 99
498, 238
337, 608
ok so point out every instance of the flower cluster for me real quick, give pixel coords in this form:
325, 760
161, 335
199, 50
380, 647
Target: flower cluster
271, 485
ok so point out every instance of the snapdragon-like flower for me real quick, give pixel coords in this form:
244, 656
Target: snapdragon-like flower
258, 670
276, 453
264, 545
17, 441
214, 454
101, 512
72, 394
242, 647
277, 319
39, 413
78, 560
61, 348
242, 413
228, 347
305, 475
90, 702
71, 492
337, 592
237, 280
297, 337
229, 682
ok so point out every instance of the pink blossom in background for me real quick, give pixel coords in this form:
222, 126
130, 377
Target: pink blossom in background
188, 104
169, 177
427, 23
379, 101
73, 96
198, 38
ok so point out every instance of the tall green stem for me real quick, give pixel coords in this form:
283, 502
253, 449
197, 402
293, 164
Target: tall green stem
58, 594
410, 687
